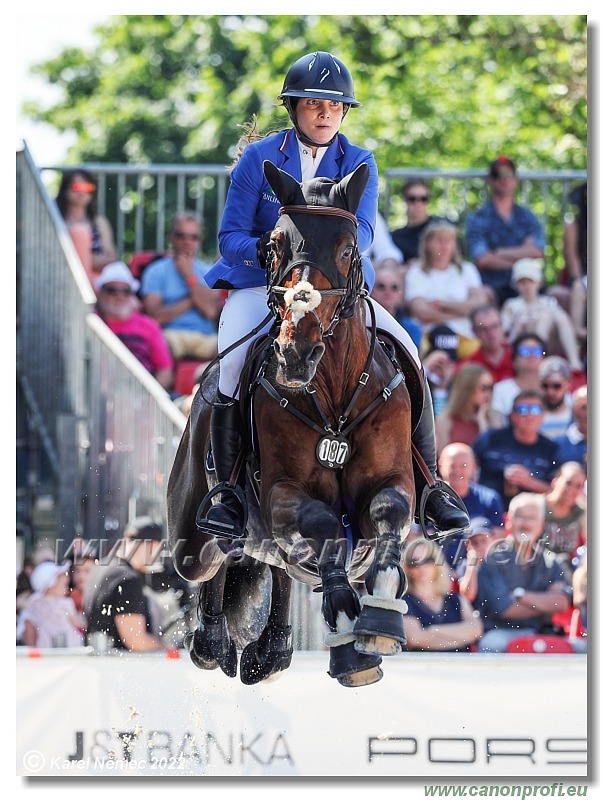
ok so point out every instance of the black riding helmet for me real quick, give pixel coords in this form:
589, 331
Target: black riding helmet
319, 75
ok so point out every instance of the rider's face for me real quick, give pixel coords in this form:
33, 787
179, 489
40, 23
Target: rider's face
320, 120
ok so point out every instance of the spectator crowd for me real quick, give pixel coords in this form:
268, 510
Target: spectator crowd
505, 357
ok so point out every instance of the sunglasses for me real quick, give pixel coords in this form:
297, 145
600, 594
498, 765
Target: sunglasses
486, 387
194, 237
534, 409
526, 350
394, 287
77, 186
417, 198
117, 290
556, 386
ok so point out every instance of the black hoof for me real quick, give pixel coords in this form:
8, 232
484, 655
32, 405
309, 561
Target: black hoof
271, 654
210, 646
352, 668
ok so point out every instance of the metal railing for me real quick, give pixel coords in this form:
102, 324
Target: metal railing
108, 430
140, 200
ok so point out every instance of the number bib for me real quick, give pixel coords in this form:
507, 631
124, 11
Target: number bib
333, 451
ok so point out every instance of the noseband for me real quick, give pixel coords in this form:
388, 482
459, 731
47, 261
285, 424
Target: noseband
348, 293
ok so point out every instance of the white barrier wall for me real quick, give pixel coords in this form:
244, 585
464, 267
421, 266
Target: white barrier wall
431, 715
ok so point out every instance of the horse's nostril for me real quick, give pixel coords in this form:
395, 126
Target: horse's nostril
316, 353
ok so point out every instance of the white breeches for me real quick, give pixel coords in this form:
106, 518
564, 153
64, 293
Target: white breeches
245, 308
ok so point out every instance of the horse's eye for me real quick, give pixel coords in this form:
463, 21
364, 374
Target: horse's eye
347, 251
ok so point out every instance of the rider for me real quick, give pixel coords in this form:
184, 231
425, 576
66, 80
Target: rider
317, 92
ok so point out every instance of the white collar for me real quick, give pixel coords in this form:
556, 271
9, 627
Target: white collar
309, 164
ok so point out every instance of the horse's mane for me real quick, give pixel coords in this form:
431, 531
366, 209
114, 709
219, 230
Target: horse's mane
251, 133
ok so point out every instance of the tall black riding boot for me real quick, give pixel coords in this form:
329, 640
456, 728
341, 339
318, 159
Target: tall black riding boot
226, 518
440, 511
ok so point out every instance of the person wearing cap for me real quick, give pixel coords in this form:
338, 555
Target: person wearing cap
554, 374
175, 294
317, 93
115, 600
50, 618
501, 232
442, 288
117, 306
478, 539
532, 312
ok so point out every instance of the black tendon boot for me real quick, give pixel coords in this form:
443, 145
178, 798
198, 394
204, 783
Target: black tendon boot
446, 516
227, 518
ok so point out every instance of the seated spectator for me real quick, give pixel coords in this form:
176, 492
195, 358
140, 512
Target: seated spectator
115, 601
50, 618
578, 315
520, 586
24, 590
437, 619
439, 364
517, 458
572, 446
416, 194
554, 374
494, 352
565, 527
118, 306
528, 352
91, 231
441, 288
539, 314
478, 540
575, 237
389, 291
468, 410
383, 251
175, 295
579, 584
502, 231
82, 569
457, 467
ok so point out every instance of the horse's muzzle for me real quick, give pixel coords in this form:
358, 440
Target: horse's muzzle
296, 366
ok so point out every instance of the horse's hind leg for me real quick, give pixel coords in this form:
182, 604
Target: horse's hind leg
272, 653
341, 609
379, 628
210, 646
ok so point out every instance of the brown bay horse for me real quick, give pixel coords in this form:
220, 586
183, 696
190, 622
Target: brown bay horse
329, 481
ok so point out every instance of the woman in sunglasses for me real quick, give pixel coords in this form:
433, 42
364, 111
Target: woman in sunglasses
416, 195
91, 232
528, 352
437, 619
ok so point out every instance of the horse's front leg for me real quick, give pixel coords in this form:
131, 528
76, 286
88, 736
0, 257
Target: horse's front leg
379, 629
309, 529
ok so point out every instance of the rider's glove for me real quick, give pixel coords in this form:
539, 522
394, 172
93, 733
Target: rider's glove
263, 248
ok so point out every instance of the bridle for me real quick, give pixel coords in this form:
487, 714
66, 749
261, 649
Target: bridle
350, 289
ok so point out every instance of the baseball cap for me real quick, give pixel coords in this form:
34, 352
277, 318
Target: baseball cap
117, 272
478, 526
501, 161
554, 365
46, 574
441, 337
528, 268
144, 528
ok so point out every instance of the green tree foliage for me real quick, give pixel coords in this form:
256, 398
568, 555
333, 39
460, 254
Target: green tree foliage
437, 92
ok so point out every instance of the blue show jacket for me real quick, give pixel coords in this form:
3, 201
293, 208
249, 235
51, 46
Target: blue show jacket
251, 207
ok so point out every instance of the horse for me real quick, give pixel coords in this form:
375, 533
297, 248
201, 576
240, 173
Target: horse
329, 479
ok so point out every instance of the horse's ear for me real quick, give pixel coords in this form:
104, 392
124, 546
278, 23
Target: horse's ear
286, 188
351, 187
